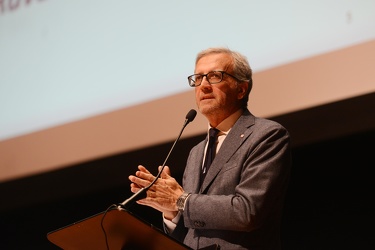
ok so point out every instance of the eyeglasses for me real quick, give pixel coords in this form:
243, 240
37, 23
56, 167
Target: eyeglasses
212, 77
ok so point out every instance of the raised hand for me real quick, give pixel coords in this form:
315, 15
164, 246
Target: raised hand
162, 195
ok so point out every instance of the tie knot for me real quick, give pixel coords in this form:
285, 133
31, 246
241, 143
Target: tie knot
213, 132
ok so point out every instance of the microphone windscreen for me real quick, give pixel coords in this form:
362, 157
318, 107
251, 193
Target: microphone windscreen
191, 115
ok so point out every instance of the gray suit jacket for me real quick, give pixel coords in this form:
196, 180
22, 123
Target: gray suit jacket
239, 205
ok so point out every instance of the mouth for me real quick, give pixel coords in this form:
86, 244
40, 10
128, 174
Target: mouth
207, 98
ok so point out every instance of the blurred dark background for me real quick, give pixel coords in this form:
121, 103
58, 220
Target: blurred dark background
328, 206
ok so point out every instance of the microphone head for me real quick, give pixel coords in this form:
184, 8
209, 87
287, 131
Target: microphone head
191, 115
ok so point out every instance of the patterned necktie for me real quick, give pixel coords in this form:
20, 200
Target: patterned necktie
210, 152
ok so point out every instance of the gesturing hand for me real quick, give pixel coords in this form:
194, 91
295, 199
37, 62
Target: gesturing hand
162, 195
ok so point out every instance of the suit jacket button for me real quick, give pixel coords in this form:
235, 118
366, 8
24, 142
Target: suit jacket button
199, 224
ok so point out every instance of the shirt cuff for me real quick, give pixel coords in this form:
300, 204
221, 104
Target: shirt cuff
171, 224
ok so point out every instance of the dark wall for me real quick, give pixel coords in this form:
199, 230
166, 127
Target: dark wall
328, 205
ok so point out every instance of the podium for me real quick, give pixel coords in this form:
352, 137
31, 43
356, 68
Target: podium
114, 230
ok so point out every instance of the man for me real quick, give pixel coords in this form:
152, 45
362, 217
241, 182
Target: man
237, 202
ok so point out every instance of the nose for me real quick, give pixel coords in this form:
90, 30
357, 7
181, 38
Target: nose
205, 82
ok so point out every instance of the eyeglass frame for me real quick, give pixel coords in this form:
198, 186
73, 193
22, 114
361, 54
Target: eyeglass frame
205, 75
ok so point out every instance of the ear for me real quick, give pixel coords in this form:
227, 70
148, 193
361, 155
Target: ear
242, 89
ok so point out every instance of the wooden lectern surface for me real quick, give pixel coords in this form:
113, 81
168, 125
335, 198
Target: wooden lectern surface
123, 229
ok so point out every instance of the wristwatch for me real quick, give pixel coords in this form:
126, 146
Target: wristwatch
181, 201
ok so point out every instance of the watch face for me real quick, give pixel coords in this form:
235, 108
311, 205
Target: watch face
181, 201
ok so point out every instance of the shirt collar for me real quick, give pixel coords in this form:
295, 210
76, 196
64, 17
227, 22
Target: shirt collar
228, 123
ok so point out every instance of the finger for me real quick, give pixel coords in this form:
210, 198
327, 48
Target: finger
134, 188
133, 185
143, 169
146, 176
139, 181
131, 177
135, 180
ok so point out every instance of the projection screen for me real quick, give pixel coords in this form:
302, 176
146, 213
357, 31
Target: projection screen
80, 79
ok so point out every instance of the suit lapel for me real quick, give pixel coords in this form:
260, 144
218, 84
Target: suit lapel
193, 184
236, 136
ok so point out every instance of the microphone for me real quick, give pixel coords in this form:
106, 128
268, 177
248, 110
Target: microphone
189, 118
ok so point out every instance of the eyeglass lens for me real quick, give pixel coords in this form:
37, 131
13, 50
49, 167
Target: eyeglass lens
212, 77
